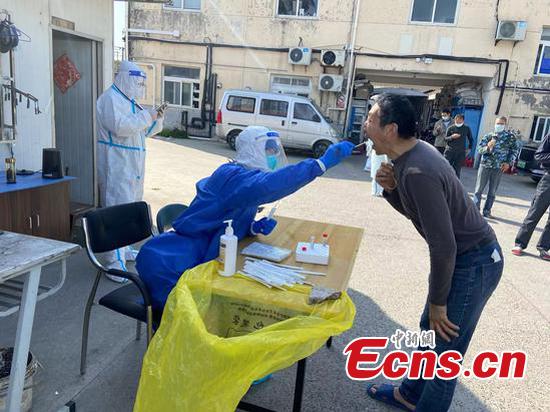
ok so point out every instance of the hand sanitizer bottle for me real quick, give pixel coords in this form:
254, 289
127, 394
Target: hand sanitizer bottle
228, 250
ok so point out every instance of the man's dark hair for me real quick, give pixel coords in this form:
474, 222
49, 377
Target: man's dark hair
399, 110
446, 111
459, 116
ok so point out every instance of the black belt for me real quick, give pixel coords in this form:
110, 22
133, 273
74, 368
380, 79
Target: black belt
481, 245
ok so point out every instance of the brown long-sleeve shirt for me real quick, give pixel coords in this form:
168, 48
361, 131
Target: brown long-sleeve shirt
431, 196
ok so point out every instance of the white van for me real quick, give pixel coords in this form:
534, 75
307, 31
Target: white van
297, 119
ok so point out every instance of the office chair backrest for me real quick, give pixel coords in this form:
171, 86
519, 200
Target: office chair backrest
167, 215
118, 226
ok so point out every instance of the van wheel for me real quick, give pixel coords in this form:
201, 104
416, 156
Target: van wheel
232, 138
320, 148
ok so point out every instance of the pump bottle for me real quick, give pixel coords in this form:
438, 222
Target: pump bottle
228, 250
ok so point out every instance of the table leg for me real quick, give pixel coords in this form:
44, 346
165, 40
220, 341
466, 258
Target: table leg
299, 388
23, 339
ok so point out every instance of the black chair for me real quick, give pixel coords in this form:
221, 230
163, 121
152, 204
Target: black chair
109, 229
167, 215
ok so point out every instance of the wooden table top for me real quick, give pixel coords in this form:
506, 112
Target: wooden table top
344, 243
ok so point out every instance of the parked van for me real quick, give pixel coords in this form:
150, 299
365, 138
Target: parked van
297, 119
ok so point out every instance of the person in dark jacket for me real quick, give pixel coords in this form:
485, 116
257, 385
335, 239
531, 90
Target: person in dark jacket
539, 206
459, 143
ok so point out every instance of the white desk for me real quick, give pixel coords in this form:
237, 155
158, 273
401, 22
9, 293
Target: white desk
26, 255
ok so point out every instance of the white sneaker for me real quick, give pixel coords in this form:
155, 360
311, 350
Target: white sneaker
131, 254
517, 250
116, 279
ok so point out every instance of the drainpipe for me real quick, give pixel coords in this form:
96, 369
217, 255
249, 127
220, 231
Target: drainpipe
351, 72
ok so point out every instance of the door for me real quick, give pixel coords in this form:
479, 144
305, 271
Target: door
305, 125
50, 211
273, 113
75, 110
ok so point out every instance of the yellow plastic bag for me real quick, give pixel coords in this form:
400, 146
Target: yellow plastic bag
218, 335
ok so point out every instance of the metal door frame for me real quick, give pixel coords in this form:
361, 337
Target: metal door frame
97, 90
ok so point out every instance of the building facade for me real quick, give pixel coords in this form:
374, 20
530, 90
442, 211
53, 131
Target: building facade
445, 49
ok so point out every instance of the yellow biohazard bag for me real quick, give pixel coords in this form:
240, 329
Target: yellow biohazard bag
219, 334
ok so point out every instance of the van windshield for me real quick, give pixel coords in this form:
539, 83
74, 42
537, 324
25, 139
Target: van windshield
327, 119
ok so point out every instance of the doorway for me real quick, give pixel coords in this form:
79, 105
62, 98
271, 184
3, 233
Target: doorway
77, 76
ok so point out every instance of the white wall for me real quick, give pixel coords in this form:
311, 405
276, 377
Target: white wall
34, 65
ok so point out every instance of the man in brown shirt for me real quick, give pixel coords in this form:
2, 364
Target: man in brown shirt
466, 261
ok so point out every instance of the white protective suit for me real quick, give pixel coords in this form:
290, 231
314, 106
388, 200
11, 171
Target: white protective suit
257, 147
122, 125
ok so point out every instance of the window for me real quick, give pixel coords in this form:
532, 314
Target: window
303, 111
300, 86
542, 66
298, 8
241, 104
182, 86
193, 5
541, 127
277, 108
434, 11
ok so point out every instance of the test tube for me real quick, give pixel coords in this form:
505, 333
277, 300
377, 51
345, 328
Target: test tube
325, 239
312, 241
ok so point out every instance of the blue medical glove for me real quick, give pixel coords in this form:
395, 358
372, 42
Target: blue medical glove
336, 153
263, 226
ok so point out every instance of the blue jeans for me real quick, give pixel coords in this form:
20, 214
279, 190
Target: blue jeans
475, 277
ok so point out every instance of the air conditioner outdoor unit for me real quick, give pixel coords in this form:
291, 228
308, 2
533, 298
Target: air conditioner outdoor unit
511, 30
300, 55
331, 83
333, 57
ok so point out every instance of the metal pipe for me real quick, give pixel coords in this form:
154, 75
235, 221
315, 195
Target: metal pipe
351, 72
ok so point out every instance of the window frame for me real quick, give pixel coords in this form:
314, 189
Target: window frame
290, 86
241, 97
432, 23
305, 120
182, 8
543, 44
536, 124
296, 16
264, 99
181, 81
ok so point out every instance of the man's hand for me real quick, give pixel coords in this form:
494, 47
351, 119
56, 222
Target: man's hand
505, 167
386, 178
441, 324
491, 144
467, 153
455, 136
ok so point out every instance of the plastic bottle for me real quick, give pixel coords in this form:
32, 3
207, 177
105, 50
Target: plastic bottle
228, 250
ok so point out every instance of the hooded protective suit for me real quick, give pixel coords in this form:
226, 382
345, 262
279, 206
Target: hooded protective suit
122, 125
234, 191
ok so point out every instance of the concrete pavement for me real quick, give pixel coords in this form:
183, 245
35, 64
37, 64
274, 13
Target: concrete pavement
388, 286
389, 282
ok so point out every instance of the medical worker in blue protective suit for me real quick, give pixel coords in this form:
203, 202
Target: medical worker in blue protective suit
258, 175
122, 125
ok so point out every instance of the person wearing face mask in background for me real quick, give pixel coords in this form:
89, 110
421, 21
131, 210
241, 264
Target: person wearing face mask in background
258, 175
440, 130
122, 126
498, 151
459, 143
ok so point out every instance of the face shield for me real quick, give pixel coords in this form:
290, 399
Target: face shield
274, 153
131, 80
260, 148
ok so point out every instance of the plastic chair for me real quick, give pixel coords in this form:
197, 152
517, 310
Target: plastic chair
167, 215
109, 229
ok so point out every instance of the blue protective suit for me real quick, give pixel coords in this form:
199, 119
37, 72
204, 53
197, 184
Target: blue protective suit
232, 192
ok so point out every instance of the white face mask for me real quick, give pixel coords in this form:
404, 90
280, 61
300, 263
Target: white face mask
446, 118
499, 128
459, 124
